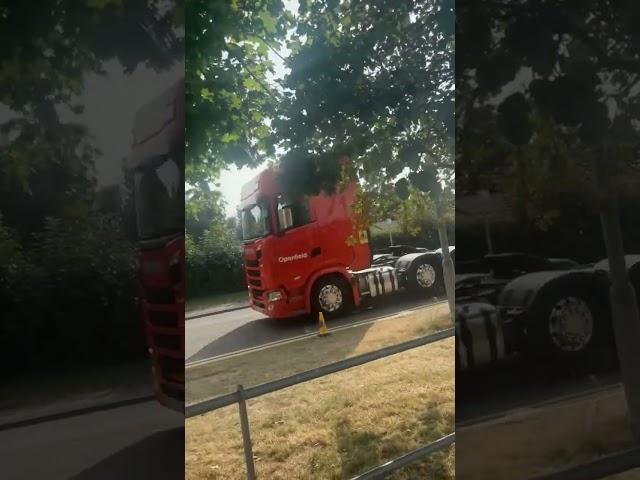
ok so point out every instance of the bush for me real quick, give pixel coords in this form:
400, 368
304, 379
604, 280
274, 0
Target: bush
213, 262
69, 297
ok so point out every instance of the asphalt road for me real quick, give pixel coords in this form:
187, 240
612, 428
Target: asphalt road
232, 331
142, 441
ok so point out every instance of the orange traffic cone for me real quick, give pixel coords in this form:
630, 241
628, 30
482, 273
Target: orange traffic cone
323, 326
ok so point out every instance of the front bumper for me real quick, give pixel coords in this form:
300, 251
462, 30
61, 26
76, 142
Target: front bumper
285, 307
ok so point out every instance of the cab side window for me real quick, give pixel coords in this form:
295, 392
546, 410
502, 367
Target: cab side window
292, 214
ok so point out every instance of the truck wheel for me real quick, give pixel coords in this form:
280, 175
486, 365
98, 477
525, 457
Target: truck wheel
567, 326
332, 296
424, 276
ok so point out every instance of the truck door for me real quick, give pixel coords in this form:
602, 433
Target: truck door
298, 249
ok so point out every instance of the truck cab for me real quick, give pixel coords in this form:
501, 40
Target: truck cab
290, 244
306, 256
157, 167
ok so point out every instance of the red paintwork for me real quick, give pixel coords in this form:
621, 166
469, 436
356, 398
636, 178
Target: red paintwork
162, 274
161, 261
329, 230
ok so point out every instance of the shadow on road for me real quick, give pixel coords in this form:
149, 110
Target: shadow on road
265, 330
159, 456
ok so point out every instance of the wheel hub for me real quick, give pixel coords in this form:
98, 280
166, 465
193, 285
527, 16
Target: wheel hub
425, 275
330, 298
571, 324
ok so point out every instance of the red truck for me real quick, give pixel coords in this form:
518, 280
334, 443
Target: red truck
304, 257
157, 164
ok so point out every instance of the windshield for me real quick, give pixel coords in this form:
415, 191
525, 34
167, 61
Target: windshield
255, 221
159, 197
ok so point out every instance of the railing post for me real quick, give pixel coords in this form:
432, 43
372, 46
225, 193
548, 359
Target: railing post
624, 305
246, 435
448, 270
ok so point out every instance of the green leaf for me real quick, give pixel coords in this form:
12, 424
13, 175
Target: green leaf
236, 102
262, 131
268, 21
229, 138
206, 94
263, 49
250, 84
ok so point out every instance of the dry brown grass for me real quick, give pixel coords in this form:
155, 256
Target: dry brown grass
551, 438
212, 380
630, 475
342, 424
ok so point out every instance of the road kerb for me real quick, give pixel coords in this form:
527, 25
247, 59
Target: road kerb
216, 312
76, 412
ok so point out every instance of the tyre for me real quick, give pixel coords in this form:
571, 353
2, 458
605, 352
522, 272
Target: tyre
332, 296
425, 275
568, 326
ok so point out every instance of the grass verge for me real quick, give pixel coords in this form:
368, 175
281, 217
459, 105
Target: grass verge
630, 475
337, 426
550, 438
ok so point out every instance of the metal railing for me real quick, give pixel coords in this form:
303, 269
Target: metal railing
241, 395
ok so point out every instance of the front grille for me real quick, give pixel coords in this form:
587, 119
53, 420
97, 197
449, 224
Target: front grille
168, 342
257, 293
253, 263
253, 272
160, 296
255, 282
163, 319
258, 304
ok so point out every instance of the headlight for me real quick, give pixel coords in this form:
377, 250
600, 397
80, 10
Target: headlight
274, 296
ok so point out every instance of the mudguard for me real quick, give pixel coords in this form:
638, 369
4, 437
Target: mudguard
521, 292
404, 263
632, 262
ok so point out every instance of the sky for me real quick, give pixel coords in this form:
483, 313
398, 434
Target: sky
111, 102
230, 184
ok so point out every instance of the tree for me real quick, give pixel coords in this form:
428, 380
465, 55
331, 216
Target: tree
373, 81
228, 99
42, 68
204, 207
564, 61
